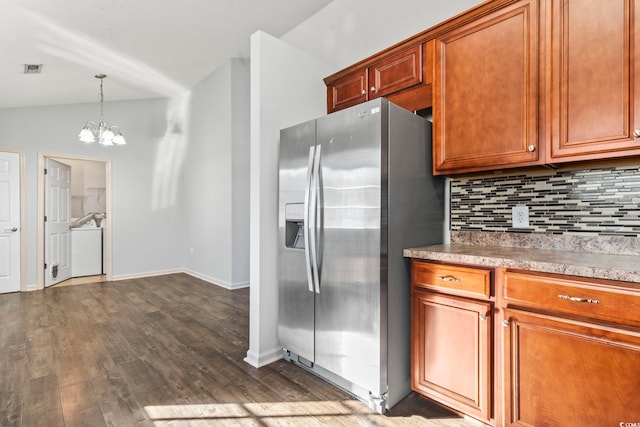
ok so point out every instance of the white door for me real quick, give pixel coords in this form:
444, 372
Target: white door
57, 224
9, 222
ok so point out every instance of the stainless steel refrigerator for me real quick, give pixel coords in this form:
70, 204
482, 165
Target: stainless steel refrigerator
355, 188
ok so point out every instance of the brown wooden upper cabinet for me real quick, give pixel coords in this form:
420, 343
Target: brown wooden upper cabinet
387, 75
594, 83
538, 82
348, 90
515, 83
485, 105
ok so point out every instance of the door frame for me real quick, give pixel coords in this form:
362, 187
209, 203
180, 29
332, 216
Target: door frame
41, 207
23, 214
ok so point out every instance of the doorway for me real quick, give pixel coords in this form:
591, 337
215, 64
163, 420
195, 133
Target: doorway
88, 211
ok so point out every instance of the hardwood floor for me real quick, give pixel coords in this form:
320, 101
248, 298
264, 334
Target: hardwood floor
161, 351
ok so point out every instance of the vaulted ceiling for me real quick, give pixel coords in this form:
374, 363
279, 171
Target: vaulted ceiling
147, 48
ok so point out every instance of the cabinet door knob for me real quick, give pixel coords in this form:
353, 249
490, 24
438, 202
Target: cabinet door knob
636, 133
531, 148
373, 88
505, 323
364, 92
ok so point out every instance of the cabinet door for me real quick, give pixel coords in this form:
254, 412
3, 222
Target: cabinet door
398, 72
347, 91
451, 352
566, 373
594, 83
485, 105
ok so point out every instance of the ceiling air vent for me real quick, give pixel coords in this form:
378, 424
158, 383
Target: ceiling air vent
32, 68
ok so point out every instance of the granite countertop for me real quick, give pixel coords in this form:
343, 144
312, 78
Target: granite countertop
557, 260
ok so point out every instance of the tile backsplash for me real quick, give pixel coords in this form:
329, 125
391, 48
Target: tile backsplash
590, 202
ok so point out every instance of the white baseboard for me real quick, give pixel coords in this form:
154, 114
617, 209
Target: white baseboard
213, 281
146, 274
32, 287
217, 282
263, 359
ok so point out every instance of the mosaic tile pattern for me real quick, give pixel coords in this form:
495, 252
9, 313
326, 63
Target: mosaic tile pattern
599, 202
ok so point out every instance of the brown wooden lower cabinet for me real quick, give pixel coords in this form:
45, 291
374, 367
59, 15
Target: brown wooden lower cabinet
451, 351
539, 349
561, 372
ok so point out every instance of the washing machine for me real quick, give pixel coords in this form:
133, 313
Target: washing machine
86, 251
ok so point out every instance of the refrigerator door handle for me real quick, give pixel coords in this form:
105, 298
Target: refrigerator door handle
306, 225
314, 216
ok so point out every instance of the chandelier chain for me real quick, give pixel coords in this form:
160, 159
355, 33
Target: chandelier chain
101, 99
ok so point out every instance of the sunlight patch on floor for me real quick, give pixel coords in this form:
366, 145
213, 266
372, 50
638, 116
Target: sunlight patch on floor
81, 281
307, 413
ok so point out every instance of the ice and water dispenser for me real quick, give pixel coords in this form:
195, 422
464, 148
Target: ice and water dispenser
294, 225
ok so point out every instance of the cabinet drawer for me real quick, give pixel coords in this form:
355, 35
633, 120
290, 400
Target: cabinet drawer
607, 300
452, 279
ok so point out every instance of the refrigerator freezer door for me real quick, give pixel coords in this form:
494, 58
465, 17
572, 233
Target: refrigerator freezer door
295, 299
348, 305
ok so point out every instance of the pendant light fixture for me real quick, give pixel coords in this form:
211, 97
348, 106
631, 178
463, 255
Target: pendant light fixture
103, 132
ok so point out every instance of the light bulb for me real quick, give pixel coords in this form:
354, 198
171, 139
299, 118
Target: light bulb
86, 135
107, 137
119, 139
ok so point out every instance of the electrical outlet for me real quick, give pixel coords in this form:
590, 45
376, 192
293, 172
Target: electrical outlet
191, 251
520, 216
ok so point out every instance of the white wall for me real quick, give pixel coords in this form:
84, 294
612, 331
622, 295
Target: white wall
347, 31
240, 179
181, 182
216, 190
208, 171
147, 212
286, 88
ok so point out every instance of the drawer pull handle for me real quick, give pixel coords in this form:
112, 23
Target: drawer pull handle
577, 299
448, 278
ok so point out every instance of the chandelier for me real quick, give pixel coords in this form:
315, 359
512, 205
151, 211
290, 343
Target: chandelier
106, 134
